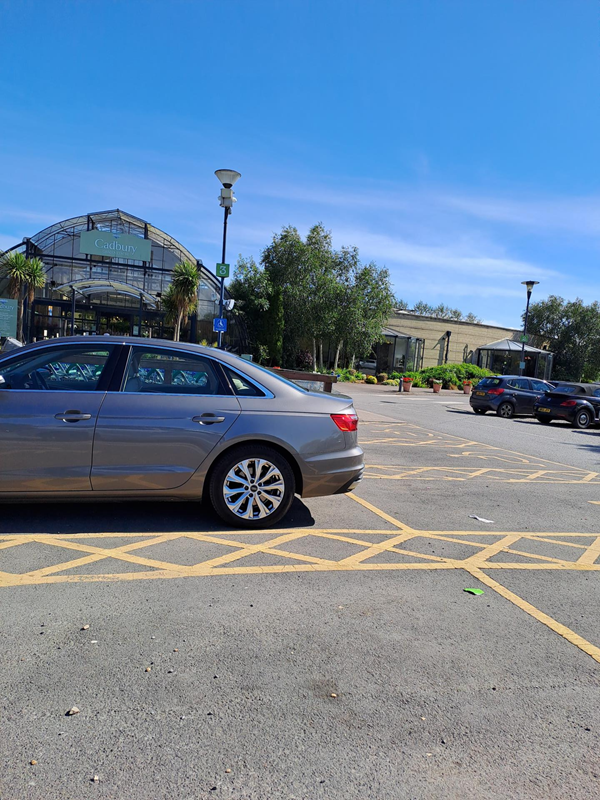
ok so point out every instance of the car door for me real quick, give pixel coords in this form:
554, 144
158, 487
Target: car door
520, 388
539, 389
49, 402
173, 408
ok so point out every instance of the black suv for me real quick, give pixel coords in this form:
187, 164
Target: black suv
508, 395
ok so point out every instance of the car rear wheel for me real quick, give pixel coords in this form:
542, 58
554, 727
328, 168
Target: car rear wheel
252, 486
505, 410
479, 410
582, 419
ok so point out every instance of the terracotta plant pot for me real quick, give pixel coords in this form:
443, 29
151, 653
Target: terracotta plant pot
436, 387
406, 385
467, 386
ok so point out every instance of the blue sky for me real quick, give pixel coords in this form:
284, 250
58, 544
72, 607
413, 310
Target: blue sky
453, 141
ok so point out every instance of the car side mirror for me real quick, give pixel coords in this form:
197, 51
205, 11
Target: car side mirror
2, 380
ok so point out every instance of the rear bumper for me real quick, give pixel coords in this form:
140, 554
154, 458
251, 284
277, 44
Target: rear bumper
482, 402
333, 473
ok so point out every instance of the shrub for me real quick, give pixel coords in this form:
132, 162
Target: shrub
453, 374
391, 382
382, 377
351, 372
304, 360
370, 379
360, 376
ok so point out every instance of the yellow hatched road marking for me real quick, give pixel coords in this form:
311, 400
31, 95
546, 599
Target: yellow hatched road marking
534, 612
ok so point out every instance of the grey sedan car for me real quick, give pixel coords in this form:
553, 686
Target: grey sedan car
97, 417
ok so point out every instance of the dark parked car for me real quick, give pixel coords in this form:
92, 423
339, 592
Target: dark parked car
577, 403
507, 395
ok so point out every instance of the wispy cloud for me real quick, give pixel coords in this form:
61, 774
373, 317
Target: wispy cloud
579, 215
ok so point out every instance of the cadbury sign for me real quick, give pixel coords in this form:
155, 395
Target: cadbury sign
115, 245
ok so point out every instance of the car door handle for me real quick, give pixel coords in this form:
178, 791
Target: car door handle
72, 416
208, 419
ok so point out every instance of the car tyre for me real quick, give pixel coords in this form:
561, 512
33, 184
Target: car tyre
505, 410
479, 410
252, 486
582, 419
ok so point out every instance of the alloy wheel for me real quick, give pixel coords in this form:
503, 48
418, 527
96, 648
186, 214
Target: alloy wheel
253, 489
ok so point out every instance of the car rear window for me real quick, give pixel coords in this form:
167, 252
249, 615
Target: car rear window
487, 383
568, 389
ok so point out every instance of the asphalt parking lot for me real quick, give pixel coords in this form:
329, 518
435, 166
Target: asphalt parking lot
337, 656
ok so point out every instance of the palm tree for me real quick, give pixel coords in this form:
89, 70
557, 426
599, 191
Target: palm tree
15, 266
182, 296
20, 273
36, 279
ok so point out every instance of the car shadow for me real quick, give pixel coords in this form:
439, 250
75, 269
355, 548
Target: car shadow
127, 517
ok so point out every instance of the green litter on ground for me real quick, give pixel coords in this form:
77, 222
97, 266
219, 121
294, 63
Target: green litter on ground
473, 591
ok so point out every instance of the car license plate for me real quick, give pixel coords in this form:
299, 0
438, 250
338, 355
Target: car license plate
544, 410
480, 394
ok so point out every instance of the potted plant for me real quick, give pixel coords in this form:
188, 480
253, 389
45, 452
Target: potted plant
407, 384
467, 386
436, 385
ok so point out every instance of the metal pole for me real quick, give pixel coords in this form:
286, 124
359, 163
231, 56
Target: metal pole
73, 312
141, 312
524, 332
222, 293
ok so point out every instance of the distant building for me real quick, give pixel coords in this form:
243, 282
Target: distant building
107, 272
414, 342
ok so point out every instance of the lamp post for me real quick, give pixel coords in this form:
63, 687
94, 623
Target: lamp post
529, 285
226, 200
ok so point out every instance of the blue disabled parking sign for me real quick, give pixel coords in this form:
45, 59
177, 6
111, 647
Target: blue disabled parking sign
219, 325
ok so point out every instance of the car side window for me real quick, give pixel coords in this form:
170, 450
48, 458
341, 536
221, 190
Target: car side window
243, 386
162, 371
66, 368
596, 393
518, 383
540, 386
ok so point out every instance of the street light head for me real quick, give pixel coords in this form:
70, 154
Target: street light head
227, 177
529, 284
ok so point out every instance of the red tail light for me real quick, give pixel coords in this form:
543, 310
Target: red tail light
569, 403
346, 422
496, 391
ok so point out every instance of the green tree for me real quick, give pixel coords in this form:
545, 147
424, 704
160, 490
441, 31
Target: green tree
182, 295
21, 274
260, 309
573, 331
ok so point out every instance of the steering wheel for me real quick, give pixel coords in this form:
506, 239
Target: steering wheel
39, 380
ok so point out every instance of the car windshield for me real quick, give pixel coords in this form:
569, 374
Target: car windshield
488, 383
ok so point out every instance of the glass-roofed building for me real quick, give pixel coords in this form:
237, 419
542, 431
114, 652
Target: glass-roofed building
106, 273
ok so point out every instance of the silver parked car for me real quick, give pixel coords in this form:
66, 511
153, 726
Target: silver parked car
92, 417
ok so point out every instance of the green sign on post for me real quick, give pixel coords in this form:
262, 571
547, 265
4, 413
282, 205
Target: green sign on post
222, 270
524, 338
8, 317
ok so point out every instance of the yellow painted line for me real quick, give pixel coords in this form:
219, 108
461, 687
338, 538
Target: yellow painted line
379, 512
492, 549
590, 476
12, 542
91, 559
594, 502
535, 556
591, 554
375, 549
114, 553
540, 616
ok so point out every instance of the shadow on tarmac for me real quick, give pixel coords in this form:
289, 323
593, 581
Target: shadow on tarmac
132, 516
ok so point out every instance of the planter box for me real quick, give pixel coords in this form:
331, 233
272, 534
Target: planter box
436, 387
